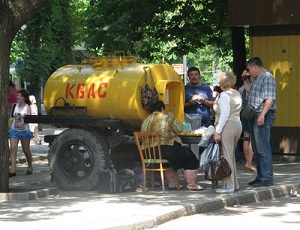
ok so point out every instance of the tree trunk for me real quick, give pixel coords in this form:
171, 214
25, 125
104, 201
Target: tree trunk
6, 40
239, 52
13, 14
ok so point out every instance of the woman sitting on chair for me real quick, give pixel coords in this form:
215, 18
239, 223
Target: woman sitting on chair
172, 147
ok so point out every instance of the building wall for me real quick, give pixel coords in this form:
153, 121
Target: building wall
280, 55
274, 28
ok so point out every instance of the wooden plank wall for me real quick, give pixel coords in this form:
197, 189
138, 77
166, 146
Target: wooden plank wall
263, 12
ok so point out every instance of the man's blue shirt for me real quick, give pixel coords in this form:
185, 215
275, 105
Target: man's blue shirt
198, 108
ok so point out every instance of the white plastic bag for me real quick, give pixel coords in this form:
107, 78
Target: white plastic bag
211, 153
215, 154
205, 156
204, 142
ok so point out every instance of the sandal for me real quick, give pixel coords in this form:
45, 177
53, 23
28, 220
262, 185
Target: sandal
194, 188
250, 169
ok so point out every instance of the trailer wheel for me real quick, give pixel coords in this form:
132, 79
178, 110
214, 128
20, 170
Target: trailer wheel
76, 156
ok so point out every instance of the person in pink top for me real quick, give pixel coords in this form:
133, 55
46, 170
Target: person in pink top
11, 96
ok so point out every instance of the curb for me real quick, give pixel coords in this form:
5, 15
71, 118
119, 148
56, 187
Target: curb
31, 195
204, 206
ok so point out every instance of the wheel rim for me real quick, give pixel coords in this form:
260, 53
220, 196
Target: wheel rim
76, 161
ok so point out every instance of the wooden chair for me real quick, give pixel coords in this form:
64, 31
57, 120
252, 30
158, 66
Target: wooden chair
151, 157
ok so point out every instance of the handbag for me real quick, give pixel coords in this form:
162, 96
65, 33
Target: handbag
110, 181
10, 121
248, 112
149, 96
11, 118
217, 169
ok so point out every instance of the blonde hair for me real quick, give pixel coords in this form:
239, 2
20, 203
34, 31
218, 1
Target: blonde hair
226, 79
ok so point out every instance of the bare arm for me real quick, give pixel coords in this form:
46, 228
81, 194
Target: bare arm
28, 110
190, 103
267, 105
208, 103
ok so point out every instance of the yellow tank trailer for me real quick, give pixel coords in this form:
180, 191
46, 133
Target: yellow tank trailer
99, 102
111, 88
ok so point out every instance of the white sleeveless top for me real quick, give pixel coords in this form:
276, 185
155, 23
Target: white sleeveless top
19, 117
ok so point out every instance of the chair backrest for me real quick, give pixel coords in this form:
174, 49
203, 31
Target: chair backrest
148, 144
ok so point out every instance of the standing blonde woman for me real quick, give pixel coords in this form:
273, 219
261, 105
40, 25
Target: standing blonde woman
20, 131
228, 127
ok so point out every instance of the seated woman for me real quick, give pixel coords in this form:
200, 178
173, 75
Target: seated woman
172, 147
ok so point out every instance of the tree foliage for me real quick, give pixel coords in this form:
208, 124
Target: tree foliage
153, 31
47, 41
159, 31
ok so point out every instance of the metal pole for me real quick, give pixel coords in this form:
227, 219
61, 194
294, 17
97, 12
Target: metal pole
185, 69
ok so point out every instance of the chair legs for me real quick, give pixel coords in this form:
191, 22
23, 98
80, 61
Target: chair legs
171, 176
177, 180
162, 181
144, 181
161, 178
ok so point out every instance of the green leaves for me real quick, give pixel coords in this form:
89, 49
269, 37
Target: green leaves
154, 31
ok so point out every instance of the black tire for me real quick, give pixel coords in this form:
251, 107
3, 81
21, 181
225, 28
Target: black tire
76, 156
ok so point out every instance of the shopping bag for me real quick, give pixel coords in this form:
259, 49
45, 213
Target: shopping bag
206, 156
217, 170
217, 167
110, 181
149, 95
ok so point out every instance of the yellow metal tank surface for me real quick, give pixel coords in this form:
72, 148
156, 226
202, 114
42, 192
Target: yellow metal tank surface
110, 88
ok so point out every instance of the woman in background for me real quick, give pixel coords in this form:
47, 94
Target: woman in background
247, 147
11, 96
34, 126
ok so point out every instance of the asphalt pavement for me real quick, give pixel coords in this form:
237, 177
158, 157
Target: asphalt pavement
34, 202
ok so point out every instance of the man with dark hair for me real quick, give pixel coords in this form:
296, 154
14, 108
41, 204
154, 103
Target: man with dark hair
262, 96
198, 97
